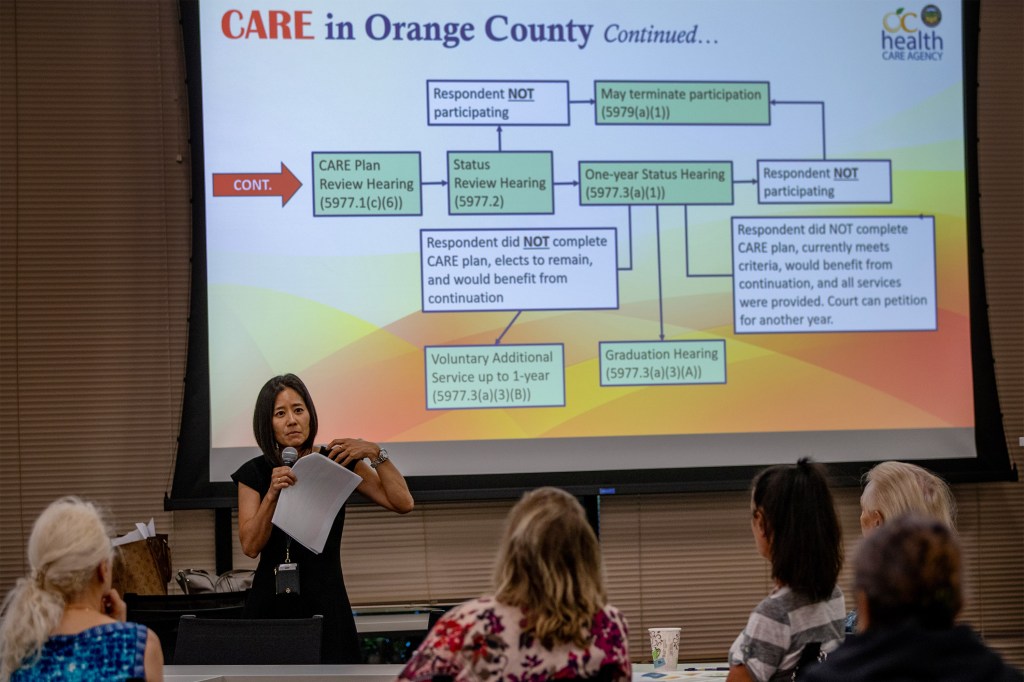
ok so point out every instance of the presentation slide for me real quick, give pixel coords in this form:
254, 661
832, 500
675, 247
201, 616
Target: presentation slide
581, 236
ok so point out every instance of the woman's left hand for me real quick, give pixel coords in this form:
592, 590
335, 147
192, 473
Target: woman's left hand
385, 485
347, 450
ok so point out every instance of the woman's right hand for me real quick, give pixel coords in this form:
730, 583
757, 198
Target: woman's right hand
114, 606
280, 478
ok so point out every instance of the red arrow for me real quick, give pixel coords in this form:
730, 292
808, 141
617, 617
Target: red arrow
283, 184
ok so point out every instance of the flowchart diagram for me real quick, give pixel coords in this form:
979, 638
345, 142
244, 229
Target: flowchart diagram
797, 267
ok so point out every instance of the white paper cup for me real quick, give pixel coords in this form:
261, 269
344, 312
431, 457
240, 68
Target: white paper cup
664, 647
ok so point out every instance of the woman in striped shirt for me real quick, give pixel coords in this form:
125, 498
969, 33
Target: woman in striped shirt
795, 527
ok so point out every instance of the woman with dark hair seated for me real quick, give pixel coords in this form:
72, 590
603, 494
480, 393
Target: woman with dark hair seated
909, 583
795, 527
548, 619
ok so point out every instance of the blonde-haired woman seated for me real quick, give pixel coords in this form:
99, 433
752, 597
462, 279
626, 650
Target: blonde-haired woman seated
64, 622
548, 618
892, 489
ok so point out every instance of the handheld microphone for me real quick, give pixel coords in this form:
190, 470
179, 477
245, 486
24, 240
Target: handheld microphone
289, 456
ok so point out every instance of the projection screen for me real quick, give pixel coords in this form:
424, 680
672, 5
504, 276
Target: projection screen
560, 240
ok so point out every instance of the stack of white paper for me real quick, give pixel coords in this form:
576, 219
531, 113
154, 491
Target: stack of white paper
306, 510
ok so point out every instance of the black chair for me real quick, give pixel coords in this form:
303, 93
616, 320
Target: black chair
161, 612
249, 641
811, 655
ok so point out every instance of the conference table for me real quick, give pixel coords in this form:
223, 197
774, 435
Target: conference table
685, 672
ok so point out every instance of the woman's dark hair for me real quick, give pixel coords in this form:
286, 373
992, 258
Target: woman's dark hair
801, 526
910, 570
263, 416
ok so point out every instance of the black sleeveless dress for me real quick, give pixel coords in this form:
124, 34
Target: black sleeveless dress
321, 584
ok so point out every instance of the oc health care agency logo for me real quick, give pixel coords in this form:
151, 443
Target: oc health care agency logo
909, 35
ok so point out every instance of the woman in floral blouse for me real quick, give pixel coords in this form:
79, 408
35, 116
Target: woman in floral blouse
548, 618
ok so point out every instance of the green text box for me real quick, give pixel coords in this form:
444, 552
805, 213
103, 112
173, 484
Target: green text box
655, 182
487, 183
468, 377
682, 103
366, 184
661, 363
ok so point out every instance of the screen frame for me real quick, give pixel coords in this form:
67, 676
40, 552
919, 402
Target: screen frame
193, 489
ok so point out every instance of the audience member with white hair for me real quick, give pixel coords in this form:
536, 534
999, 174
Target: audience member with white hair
64, 621
894, 488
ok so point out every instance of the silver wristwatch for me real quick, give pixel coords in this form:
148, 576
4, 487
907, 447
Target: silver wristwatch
381, 458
